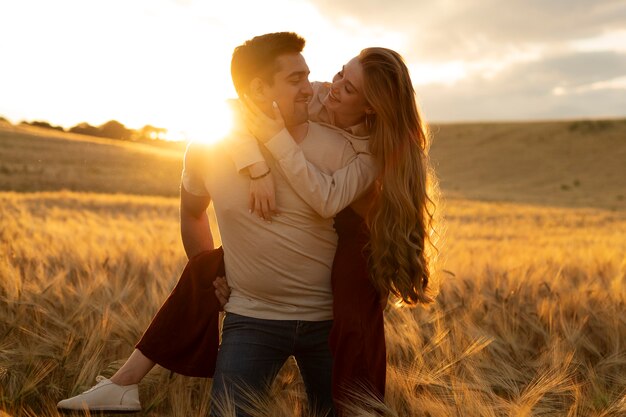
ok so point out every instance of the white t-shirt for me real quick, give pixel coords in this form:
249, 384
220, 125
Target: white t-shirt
281, 270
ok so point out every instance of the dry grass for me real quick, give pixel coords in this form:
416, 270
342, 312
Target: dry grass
531, 324
529, 320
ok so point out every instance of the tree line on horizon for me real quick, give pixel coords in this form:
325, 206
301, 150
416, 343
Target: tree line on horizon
110, 130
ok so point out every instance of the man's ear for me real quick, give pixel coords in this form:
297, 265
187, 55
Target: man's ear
257, 89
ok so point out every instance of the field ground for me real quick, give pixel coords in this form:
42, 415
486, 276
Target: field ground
32, 160
529, 320
564, 164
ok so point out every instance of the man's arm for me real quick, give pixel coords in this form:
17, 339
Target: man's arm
194, 201
194, 223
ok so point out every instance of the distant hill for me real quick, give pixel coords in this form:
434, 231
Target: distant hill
576, 163
38, 159
569, 164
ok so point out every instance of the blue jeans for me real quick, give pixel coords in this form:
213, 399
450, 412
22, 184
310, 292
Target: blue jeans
253, 351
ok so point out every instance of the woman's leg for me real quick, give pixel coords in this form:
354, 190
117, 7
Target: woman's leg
189, 348
120, 393
133, 370
357, 338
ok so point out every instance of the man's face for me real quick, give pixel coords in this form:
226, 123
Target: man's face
291, 89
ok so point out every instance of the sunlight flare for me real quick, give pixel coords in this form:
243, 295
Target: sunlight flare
217, 123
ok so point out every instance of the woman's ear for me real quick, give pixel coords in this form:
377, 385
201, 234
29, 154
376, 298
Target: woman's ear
369, 110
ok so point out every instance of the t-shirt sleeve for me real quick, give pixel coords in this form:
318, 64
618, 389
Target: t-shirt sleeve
192, 179
327, 194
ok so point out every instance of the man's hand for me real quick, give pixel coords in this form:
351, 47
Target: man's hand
262, 200
262, 127
222, 290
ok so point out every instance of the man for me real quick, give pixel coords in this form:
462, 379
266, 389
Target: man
279, 273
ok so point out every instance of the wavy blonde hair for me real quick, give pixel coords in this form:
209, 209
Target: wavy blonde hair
401, 217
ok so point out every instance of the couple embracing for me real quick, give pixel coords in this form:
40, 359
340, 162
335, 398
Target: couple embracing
347, 166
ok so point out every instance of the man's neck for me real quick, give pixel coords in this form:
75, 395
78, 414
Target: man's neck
298, 132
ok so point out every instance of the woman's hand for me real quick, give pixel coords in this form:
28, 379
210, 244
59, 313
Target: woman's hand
259, 124
262, 200
222, 290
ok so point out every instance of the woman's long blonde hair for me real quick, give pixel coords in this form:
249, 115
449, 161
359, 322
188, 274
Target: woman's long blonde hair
401, 219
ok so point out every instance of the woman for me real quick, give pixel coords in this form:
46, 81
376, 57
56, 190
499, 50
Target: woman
383, 237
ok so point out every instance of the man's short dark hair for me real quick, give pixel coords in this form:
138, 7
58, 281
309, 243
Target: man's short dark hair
257, 57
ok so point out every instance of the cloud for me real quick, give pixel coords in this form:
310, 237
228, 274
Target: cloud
579, 68
517, 59
566, 86
484, 59
445, 105
447, 30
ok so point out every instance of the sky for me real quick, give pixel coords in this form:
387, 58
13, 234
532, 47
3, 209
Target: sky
166, 62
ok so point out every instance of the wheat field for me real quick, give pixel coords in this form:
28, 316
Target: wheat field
529, 321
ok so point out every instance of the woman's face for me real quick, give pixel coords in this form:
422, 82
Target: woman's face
345, 97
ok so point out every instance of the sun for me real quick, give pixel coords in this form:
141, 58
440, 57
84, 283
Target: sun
214, 124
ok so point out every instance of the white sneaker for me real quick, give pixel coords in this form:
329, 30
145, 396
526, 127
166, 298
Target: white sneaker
105, 396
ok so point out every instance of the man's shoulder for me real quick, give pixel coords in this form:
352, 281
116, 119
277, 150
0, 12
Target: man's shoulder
338, 138
326, 131
328, 148
200, 155
203, 149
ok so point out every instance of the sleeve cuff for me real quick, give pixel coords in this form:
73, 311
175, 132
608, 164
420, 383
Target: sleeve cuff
246, 157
